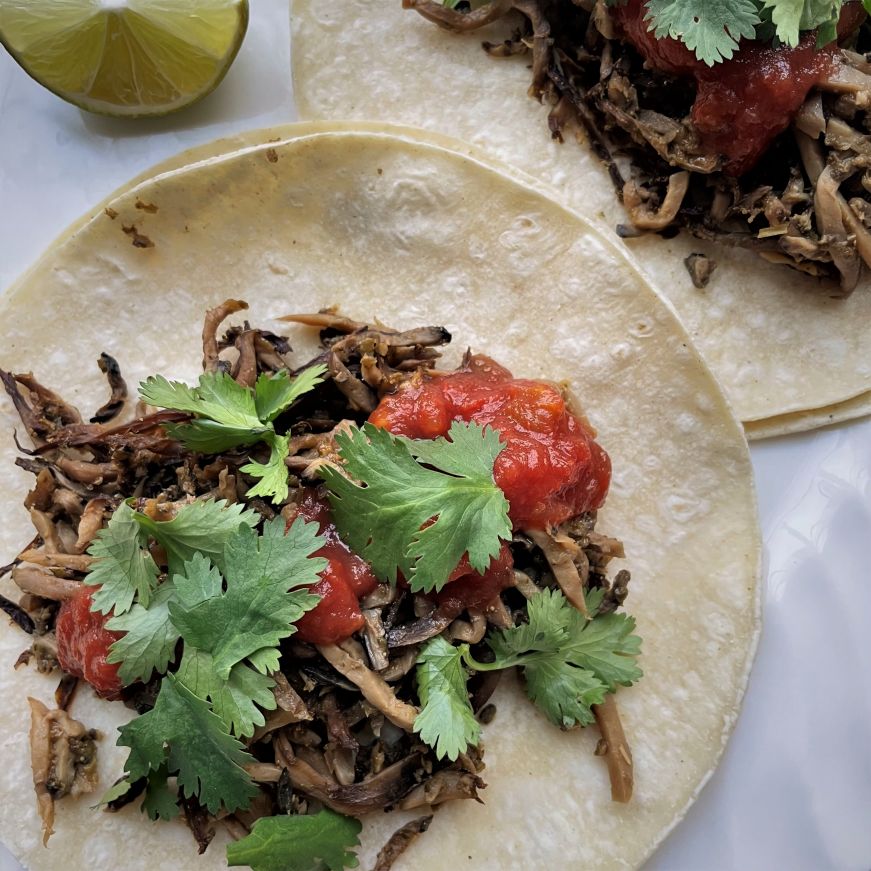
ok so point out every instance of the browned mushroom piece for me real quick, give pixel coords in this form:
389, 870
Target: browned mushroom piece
374, 688
428, 626
214, 318
560, 552
47, 403
245, 370
91, 522
356, 799
63, 757
41, 582
399, 842
646, 218
830, 218
447, 785
40, 497
360, 396
461, 22
374, 639
73, 561
35, 427
325, 320
616, 749
470, 631
117, 386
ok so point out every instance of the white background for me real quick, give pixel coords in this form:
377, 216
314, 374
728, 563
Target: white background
794, 789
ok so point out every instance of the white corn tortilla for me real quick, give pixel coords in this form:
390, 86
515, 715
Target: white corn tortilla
414, 233
778, 344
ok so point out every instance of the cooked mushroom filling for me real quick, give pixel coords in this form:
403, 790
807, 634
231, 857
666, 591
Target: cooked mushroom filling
341, 734
806, 203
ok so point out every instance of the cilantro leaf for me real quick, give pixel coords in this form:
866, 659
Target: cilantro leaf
160, 801
121, 787
418, 520
148, 644
263, 597
299, 843
233, 699
546, 632
183, 734
122, 568
275, 393
570, 663
208, 437
791, 17
446, 721
265, 660
218, 397
564, 692
273, 473
606, 646
202, 527
711, 30
228, 415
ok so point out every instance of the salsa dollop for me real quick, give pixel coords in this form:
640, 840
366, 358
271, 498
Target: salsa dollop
83, 643
743, 103
551, 468
345, 580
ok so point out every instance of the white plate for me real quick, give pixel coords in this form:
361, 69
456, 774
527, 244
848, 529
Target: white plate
794, 789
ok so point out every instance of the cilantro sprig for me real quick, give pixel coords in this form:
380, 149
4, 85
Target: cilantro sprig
229, 415
713, 30
229, 599
446, 721
569, 664
421, 505
124, 568
299, 843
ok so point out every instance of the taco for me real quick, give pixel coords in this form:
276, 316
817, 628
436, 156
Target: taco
410, 233
789, 355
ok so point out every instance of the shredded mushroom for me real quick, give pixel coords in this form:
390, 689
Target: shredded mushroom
341, 733
63, 759
639, 123
616, 749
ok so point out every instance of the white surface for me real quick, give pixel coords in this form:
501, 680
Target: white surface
794, 789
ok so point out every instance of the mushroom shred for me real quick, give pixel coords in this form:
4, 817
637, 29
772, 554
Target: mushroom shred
806, 204
63, 756
342, 733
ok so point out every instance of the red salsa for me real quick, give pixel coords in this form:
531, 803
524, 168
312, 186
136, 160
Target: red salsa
83, 643
345, 580
468, 589
551, 468
348, 577
743, 103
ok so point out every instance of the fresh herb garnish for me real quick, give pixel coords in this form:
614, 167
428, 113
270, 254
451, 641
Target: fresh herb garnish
299, 843
420, 516
713, 30
569, 664
182, 734
124, 569
264, 594
159, 802
228, 415
446, 721
148, 644
230, 621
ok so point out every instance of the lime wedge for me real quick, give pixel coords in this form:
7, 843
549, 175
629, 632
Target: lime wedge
125, 57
